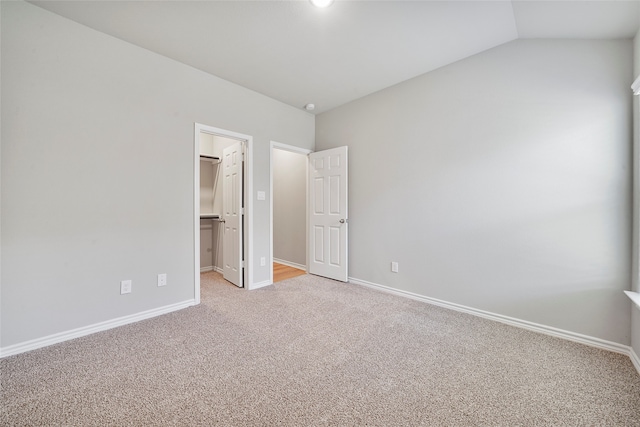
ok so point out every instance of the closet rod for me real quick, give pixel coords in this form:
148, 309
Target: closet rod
211, 216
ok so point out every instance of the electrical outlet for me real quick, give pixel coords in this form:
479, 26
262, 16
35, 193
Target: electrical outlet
125, 287
394, 267
263, 261
162, 279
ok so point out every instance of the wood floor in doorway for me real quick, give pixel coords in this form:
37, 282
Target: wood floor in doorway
283, 272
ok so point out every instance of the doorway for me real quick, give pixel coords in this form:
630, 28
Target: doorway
223, 210
326, 210
288, 205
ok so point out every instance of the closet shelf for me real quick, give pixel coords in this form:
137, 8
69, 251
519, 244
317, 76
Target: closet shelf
210, 158
209, 216
635, 297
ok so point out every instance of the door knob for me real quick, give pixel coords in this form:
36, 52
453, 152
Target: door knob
342, 221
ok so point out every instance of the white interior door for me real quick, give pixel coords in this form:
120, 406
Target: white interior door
328, 214
232, 258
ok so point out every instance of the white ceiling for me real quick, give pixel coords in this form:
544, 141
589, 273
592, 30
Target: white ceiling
298, 54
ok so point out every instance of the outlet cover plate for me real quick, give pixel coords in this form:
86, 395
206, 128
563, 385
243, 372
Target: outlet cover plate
162, 279
125, 287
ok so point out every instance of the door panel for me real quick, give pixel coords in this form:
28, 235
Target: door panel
334, 240
328, 214
318, 252
232, 213
334, 195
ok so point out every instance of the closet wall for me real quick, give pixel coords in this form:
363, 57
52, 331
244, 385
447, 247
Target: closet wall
289, 207
211, 201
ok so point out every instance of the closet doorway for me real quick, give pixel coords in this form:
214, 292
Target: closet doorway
222, 208
288, 190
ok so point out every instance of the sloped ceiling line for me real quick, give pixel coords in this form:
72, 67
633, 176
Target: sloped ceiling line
298, 54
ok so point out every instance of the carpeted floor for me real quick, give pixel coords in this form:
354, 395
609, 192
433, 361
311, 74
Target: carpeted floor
312, 352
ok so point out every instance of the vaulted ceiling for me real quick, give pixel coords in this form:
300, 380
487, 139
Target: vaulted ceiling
299, 54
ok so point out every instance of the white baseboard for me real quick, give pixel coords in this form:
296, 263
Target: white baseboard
290, 264
211, 268
548, 330
634, 359
260, 285
91, 329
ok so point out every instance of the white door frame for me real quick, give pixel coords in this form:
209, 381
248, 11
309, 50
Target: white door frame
248, 206
297, 150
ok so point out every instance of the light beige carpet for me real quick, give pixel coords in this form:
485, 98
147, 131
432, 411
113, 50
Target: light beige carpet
314, 352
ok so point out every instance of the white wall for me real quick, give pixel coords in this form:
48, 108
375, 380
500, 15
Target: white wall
289, 206
97, 172
501, 182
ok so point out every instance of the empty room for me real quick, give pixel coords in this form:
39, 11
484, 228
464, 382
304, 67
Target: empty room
461, 224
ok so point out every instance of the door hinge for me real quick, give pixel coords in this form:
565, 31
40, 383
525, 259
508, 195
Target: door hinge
241, 211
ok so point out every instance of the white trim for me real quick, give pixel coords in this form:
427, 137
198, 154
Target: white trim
248, 213
196, 212
91, 329
262, 284
634, 359
247, 142
212, 268
285, 147
524, 324
290, 264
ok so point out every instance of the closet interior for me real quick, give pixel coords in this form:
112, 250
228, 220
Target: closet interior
211, 222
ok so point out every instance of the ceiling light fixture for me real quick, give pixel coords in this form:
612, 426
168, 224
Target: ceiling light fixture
309, 107
321, 3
